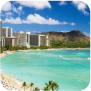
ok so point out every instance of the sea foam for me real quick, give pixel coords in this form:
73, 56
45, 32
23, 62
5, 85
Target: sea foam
60, 56
89, 58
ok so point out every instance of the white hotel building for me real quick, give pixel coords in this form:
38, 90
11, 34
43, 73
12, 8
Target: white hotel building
6, 32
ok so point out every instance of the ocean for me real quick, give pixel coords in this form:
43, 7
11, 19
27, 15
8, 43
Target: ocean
69, 68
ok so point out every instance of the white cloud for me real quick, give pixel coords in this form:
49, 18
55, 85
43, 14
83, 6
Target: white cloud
87, 34
33, 31
6, 7
35, 4
72, 23
62, 3
65, 31
12, 20
17, 10
35, 19
81, 6
1, 14
8, 14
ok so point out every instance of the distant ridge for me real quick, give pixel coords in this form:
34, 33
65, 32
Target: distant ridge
74, 35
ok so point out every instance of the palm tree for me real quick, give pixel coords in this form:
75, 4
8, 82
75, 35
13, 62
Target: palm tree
31, 85
24, 85
52, 85
45, 89
36, 89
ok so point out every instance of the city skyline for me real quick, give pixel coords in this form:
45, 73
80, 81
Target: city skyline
37, 17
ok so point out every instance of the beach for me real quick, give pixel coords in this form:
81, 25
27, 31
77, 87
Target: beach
9, 82
9, 52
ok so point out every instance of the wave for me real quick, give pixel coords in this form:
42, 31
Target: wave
89, 58
64, 58
60, 56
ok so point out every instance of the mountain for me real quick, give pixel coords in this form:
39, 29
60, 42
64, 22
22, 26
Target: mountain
74, 35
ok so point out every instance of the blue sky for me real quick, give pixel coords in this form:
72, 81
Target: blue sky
44, 16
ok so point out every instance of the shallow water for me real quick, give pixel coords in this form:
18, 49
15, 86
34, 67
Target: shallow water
69, 68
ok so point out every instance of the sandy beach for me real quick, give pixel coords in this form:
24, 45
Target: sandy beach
9, 82
9, 52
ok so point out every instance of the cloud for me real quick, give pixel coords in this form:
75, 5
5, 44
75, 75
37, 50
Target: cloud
62, 3
35, 19
87, 34
6, 7
81, 6
1, 14
65, 31
33, 31
72, 23
11, 20
8, 14
17, 10
35, 4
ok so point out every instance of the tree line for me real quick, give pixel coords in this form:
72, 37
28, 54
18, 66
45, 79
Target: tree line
51, 85
53, 44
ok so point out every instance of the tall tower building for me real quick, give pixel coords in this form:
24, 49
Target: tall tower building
9, 32
6, 32
0, 29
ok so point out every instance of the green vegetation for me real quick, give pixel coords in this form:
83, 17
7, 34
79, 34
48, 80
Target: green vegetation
69, 44
64, 44
24, 85
11, 48
40, 47
51, 86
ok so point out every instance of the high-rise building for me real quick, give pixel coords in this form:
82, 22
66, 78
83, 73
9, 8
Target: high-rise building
6, 32
24, 39
39, 40
9, 32
0, 32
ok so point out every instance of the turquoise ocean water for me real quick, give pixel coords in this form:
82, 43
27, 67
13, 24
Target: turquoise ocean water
69, 68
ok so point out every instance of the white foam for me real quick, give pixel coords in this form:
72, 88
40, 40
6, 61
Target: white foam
60, 56
89, 58
64, 58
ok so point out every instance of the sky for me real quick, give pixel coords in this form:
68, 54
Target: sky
45, 16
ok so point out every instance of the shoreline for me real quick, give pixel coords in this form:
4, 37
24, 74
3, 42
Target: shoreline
9, 82
9, 52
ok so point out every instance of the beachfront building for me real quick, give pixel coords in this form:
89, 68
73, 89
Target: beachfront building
0, 29
39, 40
9, 40
24, 39
6, 32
